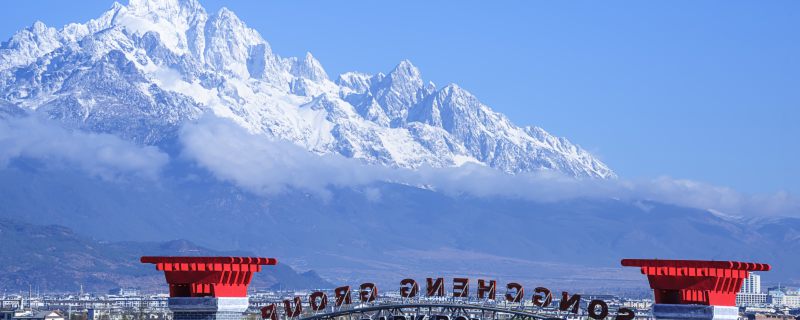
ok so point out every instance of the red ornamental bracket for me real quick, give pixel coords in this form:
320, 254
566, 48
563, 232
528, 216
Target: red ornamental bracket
208, 276
695, 282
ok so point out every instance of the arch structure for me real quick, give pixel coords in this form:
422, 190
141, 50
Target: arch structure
416, 311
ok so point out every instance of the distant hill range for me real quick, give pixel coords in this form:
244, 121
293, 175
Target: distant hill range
55, 258
409, 231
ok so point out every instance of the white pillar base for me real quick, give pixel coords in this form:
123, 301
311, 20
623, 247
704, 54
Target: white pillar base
694, 312
207, 308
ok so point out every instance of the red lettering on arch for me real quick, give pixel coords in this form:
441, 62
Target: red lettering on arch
485, 290
435, 288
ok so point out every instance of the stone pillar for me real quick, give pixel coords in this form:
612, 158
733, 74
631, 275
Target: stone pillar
694, 312
208, 288
695, 289
207, 308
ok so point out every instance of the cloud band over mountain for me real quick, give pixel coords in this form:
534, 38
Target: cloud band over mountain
103, 155
264, 165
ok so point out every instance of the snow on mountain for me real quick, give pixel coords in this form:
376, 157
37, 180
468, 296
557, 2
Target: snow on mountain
140, 71
28, 44
308, 68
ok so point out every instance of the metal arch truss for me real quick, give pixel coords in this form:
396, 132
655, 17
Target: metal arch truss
413, 310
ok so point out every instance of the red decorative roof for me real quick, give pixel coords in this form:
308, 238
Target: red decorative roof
733, 265
695, 281
208, 276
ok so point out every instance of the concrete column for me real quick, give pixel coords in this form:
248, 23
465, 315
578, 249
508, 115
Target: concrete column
207, 308
694, 312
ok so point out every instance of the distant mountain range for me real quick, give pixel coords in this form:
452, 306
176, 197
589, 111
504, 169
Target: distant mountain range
140, 71
55, 259
408, 231
94, 119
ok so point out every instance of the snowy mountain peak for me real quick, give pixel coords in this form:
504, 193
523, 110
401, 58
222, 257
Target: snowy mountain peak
406, 77
116, 6
226, 14
174, 21
452, 88
399, 91
406, 69
38, 27
229, 43
164, 8
143, 70
355, 81
180, 13
28, 44
309, 68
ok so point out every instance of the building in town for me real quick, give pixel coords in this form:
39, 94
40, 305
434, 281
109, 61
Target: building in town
752, 299
751, 284
39, 315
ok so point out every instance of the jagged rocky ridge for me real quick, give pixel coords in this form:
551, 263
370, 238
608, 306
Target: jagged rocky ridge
141, 70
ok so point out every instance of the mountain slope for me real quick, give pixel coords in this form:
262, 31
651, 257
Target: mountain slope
56, 258
141, 70
385, 232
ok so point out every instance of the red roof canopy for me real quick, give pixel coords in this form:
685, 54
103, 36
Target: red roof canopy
695, 281
733, 265
208, 276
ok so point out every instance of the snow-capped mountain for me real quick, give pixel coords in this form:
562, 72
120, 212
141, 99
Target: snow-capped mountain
142, 70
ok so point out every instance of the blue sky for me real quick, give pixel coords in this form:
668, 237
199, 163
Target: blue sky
708, 91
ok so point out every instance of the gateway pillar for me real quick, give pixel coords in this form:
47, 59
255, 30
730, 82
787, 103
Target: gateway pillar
208, 288
693, 289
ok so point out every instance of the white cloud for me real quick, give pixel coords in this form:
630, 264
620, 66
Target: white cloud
263, 165
101, 155
706, 196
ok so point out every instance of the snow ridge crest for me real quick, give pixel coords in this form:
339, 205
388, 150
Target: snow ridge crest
143, 69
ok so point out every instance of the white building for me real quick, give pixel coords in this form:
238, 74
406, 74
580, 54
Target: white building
752, 299
781, 299
752, 284
12, 303
791, 301
39, 315
750, 294
125, 292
